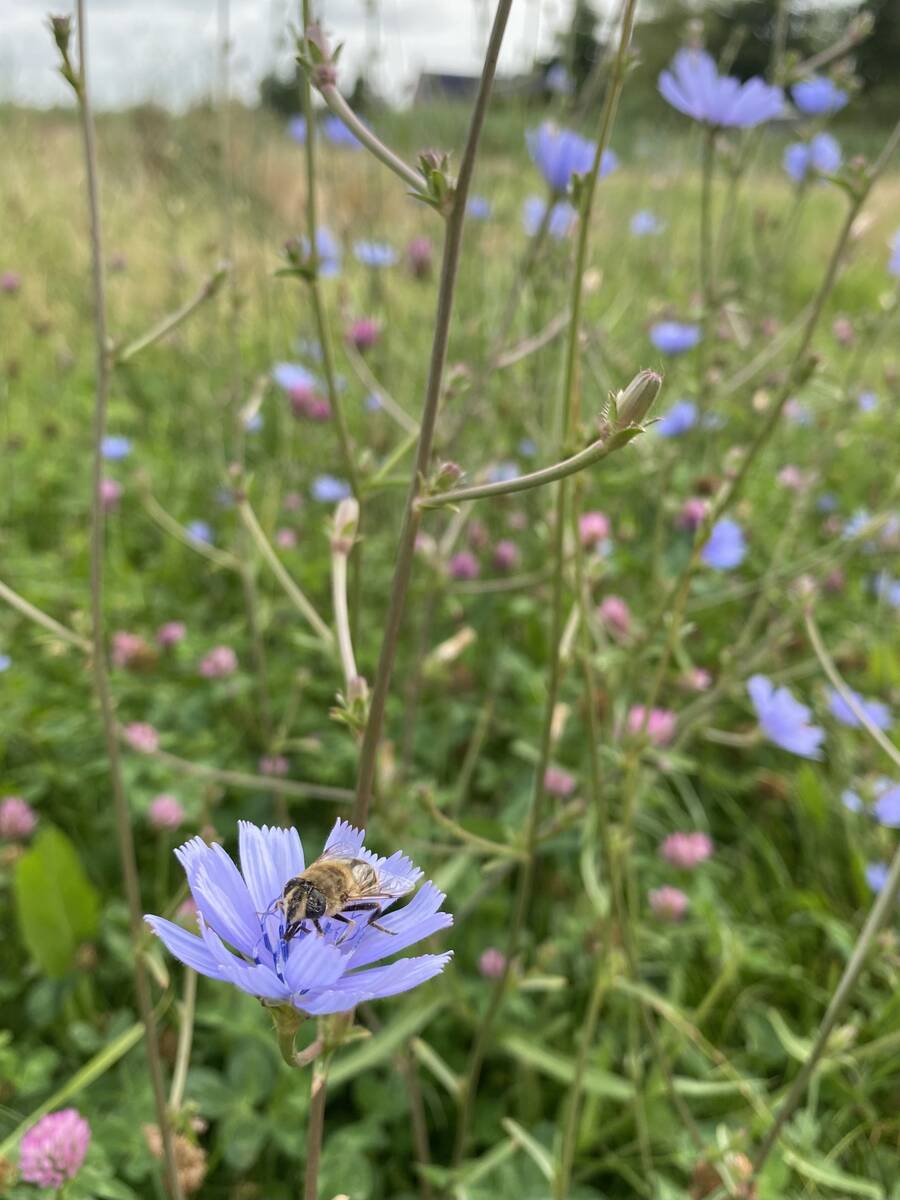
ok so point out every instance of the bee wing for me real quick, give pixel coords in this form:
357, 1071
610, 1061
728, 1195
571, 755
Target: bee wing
388, 883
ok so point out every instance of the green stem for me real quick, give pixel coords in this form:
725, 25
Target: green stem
185, 1041
124, 831
567, 425
364, 134
316, 1126
322, 327
594, 453
173, 320
411, 516
706, 262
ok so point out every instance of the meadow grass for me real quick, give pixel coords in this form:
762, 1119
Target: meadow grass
728, 999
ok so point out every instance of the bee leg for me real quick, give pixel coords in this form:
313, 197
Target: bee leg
344, 921
319, 930
375, 909
292, 929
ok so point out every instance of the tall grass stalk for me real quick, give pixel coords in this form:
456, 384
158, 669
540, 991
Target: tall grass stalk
124, 832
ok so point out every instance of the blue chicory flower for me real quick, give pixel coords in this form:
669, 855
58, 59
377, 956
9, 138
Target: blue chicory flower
681, 417
528, 448
328, 252
502, 472
200, 531
562, 217
887, 589
818, 96
852, 801
292, 377
879, 714
478, 208
114, 447
561, 153
5, 662
894, 260
886, 808
645, 223
876, 876
694, 86
674, 337
315, 972
867, 401
328, 489
783, 719
372, 402
375, 254
857, 523
338, 133
559, 81
820, 156
827, 502
726, 547
297, 130
254, 423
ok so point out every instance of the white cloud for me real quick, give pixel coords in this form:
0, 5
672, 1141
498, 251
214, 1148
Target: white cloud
167, 51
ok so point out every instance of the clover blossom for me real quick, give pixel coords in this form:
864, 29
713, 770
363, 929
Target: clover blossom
783, 719
694, 86
17, 818
315, 973
818, 96
53, 1150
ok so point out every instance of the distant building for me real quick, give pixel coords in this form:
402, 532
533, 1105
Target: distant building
446, 87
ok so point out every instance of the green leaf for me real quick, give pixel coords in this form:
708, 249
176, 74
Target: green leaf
557, 1066
830, 1176
376, 1049
57, 905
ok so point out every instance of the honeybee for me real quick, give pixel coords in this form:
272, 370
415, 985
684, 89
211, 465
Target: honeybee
338, 883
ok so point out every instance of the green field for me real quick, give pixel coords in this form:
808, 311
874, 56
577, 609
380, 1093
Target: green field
683, 1035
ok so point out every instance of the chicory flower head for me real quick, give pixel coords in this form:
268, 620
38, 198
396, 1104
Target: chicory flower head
818, 96
297, 130
200, 531
338, 133
876, 876
783, 719
674, 337
562, 217
894, 260
328, 489
645, 223
328, 252
886, 808
879, 714
561, 153
821, 155
317, 973
375, 254
726, 547
694, 86
478, 208
114, 447
681, 417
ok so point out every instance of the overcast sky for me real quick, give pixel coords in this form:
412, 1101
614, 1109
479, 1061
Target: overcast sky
165, 50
